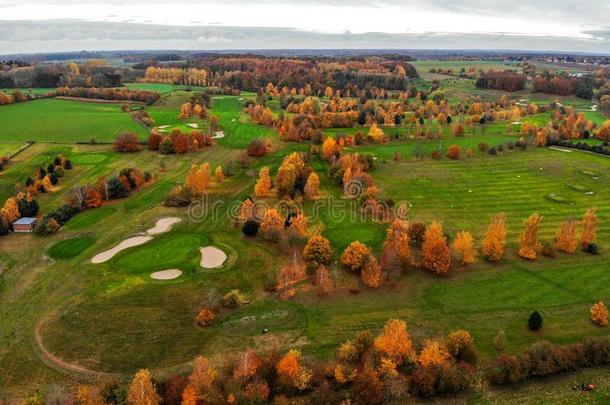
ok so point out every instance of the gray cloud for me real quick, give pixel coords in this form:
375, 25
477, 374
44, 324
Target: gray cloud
71, 35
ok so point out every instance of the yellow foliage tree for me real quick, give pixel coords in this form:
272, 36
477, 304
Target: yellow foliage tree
10, 210
354, 256
493, 243
589, 226
371, 272
286, 176
329, 148
318, 250
263, 185
299, 224
599, 314
323, 281
202, 377
312, 186
247, 210
272, 223
463, 247
529, 244
376, 133
142, 391
436, 253
220, 177
458, 340
47, 184
434, 353
397, 239
565, 239
198, 179
394, 341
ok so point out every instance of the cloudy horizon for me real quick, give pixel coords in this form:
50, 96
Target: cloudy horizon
70, 25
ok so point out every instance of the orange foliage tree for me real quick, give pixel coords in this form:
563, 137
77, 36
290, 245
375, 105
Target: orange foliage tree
248, 365
299, 224
434, 353
529, 244
436, 253
354, 256
220, 177
394, 341
493, 243
463, 247
371, 272
589, 226
323, 281
599, 314
263, 185
565, 239
10, 210
198, 179
312, 186
202, 377
272, 224
397, 240
318, 250
329, 148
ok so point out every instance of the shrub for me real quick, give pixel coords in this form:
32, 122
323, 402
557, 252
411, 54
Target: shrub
179, 197
355, 255
205, 317
492, 151
250, 228
535, 320
455, 152
417, 230
154, 140
435, 154
47, 226
599, 314
166, 146
127, 142
234, 299
257, 147
483, 147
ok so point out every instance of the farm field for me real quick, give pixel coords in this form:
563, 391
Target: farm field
65, 317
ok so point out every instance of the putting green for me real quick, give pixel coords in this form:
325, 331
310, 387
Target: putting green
169, 251
69, 248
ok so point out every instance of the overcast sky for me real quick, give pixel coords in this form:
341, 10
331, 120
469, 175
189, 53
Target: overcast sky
62, 25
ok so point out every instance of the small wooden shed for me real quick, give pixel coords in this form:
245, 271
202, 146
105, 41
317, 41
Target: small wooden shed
25, 225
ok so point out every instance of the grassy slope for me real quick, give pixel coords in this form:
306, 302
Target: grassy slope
65, 121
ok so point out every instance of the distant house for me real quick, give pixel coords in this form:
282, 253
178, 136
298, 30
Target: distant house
24, 225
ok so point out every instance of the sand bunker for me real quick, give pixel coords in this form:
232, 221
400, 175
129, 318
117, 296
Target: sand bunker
218, 135
126, 244
193, 125
212, 257
163, 225
560, 149
166, 274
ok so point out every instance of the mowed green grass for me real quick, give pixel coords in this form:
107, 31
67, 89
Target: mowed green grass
162, 88
69, 248
55, 120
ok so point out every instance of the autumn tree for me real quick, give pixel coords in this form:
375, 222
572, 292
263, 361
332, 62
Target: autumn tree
263, 185
493, 243
247, 210
202, 378
463, 247
324, 282
318, 250
529, 244
565, 239
394, 341
589, 226
434, 353
599, 314
299, 224
198, 179
93, 198
291, 371
249, 363
329, 148
127, 142
371, 272
272, 224
455, 152
142, 391
397, 240
220, 177
436, 253
355, 255
10, 210
312, 186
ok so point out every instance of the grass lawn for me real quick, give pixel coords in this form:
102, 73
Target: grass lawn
113, 317
65, 121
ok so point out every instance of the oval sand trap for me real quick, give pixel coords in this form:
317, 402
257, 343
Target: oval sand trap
163, 225
126, 244
166, 274
212, 257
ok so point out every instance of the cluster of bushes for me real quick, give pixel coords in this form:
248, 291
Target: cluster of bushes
15, 97
544, 358
178, 142
92, 196
257, 147
45, 178
3, 162
144, 118
602, 148
506, 80
144, 96
564, 85
521, 144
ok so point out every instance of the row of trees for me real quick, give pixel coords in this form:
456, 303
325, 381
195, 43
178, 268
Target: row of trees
389, 367
118, 94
